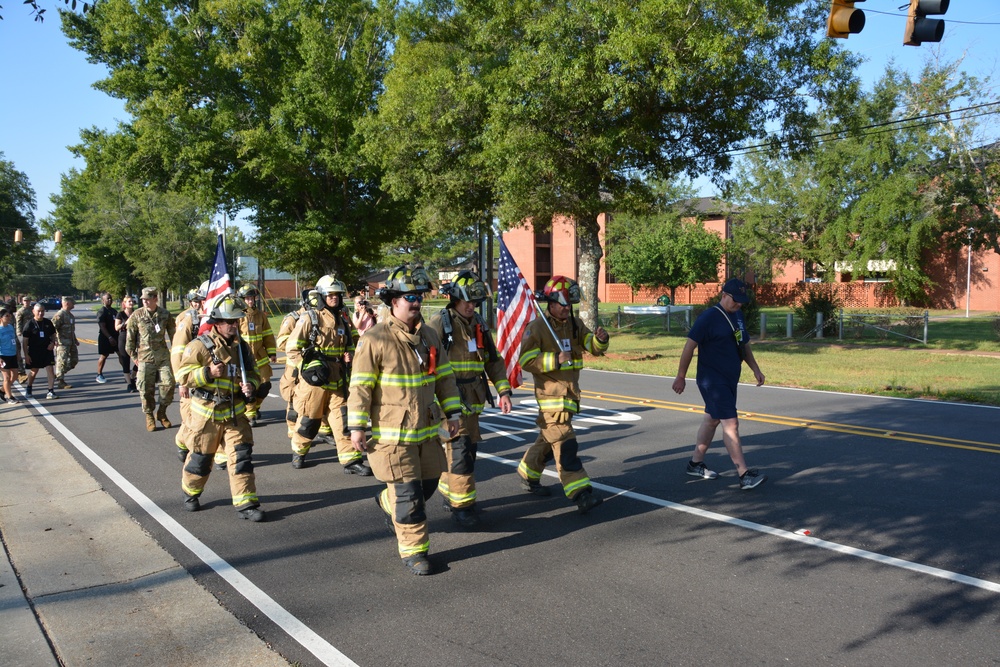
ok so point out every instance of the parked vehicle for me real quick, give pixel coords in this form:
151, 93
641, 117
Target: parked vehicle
51, 302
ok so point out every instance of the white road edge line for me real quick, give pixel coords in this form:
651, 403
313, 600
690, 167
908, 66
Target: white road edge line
784, 534
299, 631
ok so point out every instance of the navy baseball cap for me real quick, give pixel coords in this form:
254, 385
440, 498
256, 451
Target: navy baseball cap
737, 289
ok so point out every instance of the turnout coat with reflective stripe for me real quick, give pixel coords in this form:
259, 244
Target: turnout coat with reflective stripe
331, 341
255, 329
285, 330
469, 365
193, 373
185, 329
557, 388
393, 383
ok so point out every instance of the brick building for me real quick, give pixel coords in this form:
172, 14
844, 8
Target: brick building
544, 254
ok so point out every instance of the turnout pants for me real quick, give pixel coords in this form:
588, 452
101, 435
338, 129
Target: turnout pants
411, 474
286, 387
232, 436
315, 405
184, 434
146, 383
556, 439
458, 481
253, 407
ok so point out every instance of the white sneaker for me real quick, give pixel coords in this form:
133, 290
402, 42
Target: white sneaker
100, 378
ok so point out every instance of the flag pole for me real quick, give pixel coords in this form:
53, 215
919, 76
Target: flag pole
549, 326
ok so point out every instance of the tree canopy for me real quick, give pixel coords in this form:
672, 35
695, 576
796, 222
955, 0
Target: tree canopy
530, 110
251, 105
878, 189
17, 206
662, 250
125, 235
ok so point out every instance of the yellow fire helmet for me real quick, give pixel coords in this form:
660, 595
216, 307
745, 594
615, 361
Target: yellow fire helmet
467, 287
228, 307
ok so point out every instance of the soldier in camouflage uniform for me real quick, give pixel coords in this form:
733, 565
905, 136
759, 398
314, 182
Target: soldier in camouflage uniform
67, 345
150, 330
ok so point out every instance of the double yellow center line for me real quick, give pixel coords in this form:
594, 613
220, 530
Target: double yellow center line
833, 427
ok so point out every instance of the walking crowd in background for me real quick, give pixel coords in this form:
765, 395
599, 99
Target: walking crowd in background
399, 396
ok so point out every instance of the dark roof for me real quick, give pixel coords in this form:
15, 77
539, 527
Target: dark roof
710, 206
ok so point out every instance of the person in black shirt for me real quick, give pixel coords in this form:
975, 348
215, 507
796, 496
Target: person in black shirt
107, 341
129, 369
38, 340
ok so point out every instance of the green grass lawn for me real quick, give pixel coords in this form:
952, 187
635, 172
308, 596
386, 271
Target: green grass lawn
960, 362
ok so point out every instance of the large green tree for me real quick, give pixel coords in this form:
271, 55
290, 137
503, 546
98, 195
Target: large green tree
17, 214
525, 110
127, 235
662, 250
252, 105
876, 191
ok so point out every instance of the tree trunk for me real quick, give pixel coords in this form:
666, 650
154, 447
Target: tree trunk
589, 241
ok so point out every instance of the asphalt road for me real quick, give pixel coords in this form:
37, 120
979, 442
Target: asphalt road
900, 566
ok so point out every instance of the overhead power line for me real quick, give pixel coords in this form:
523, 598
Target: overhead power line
894, 125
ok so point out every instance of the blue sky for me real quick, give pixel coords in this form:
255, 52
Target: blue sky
48, 95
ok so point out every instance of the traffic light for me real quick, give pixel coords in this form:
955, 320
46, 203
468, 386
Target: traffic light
844, 20
920, 29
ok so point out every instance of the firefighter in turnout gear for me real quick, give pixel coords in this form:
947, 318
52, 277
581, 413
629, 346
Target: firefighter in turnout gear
255, 330
221, 376
320, 346
290, 377
150, 330
402, 381
474, 358
185, 330
552, 351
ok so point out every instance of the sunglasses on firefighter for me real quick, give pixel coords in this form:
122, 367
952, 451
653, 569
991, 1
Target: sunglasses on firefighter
413, 298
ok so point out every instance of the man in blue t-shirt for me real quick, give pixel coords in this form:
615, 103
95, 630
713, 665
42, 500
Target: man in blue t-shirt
720, 334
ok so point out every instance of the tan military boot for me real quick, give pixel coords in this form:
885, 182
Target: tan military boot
150, 424
161, 414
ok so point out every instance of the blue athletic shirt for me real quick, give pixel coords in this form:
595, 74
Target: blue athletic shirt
8, 341
718, 356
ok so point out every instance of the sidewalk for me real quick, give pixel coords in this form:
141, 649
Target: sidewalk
91, 588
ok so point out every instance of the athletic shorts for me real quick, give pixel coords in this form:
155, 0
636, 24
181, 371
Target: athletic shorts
105, 347
720, 399
8, 363
41, 359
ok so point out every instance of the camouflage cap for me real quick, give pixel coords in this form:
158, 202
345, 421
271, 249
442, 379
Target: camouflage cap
148, 292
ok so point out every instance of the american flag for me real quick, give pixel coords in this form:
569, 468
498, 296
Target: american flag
515, 308
218, 285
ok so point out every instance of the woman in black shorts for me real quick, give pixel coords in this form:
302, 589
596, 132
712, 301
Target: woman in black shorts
128, 368
9, 356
